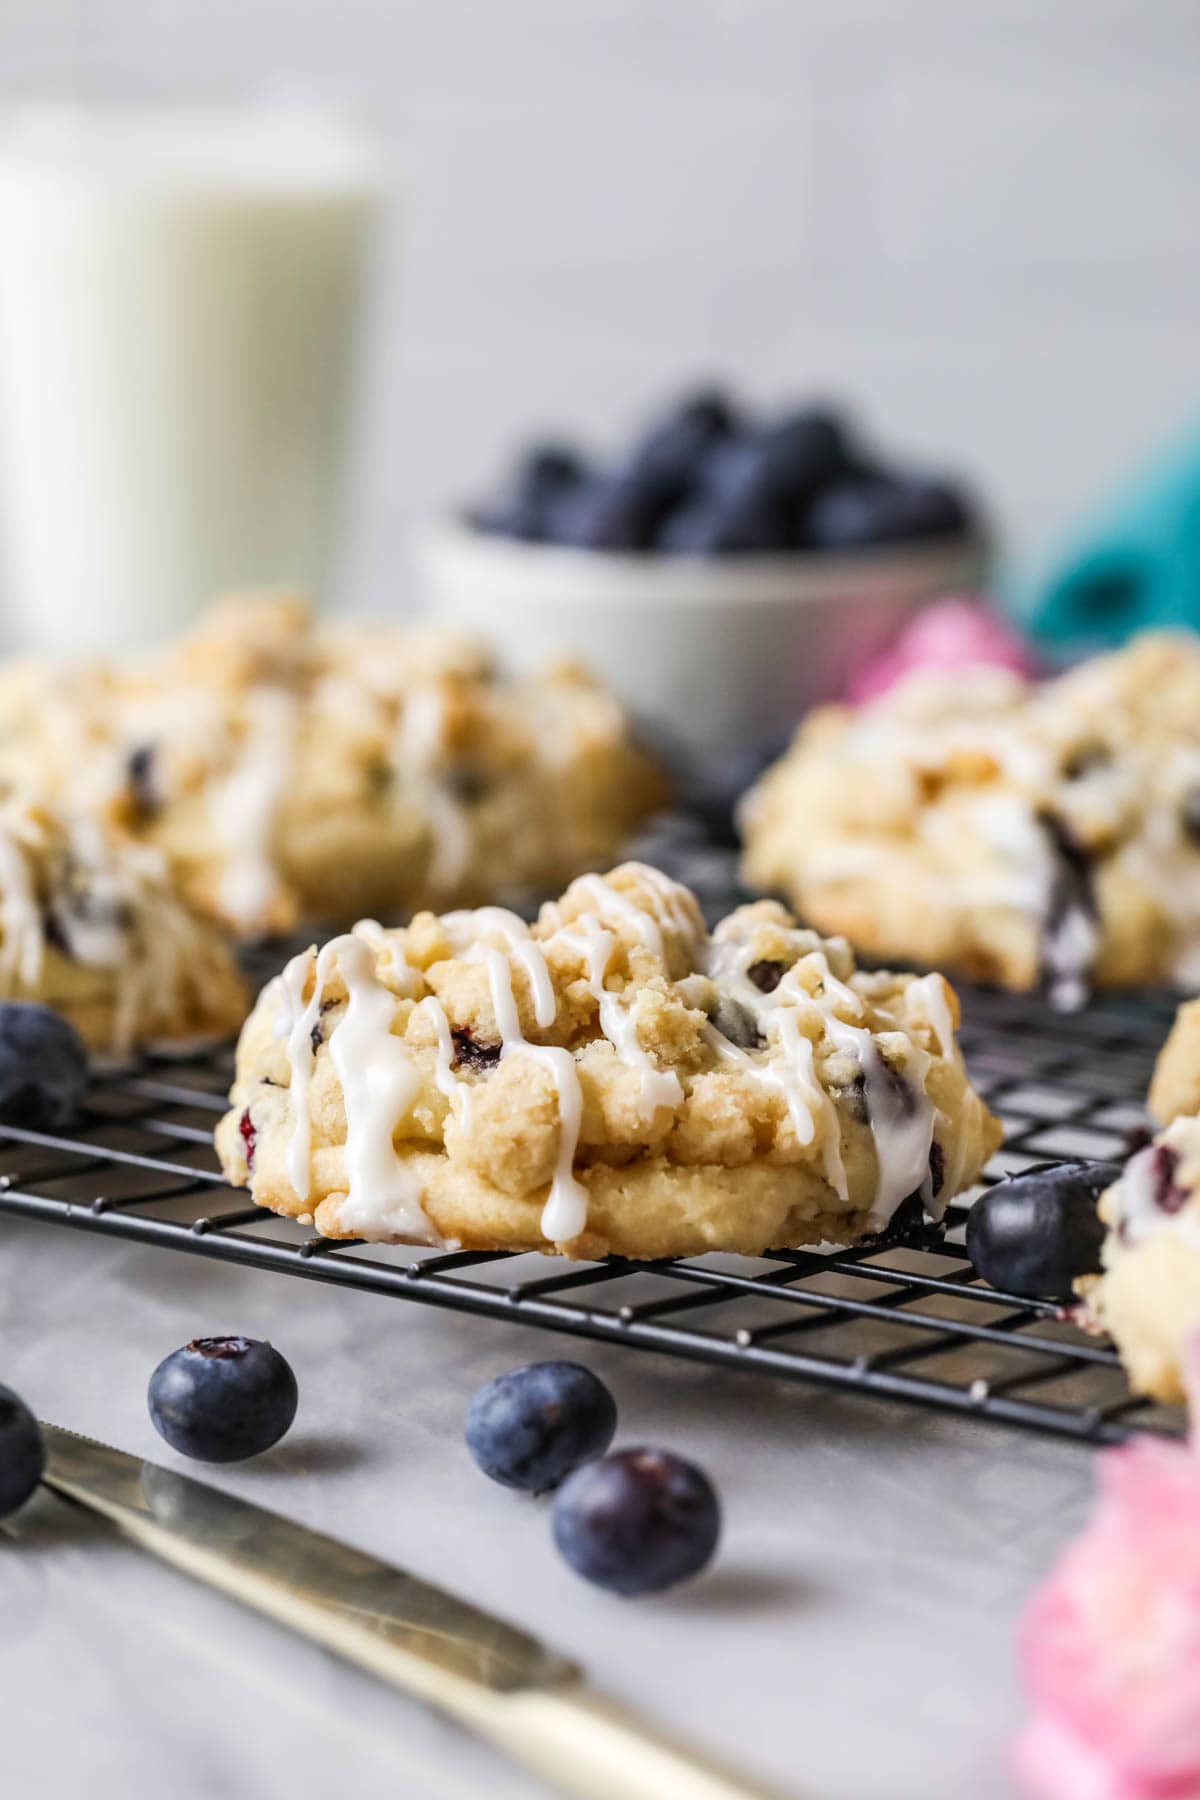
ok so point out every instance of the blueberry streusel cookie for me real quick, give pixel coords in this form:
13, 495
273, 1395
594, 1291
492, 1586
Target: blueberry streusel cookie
90, 925
1148, 1296
1014, 831
293, 771
609, 1080
1175, 1087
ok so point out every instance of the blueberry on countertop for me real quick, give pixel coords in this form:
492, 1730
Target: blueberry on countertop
530, 1428
538, 484
637, 1521
223, 1399
1037, 1233
43, 1067
22, 1455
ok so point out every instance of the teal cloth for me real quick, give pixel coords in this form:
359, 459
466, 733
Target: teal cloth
1136, 565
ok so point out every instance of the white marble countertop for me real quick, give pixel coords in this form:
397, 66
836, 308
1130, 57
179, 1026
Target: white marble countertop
853, 1642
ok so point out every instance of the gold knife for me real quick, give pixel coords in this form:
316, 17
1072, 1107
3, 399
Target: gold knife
497, 1680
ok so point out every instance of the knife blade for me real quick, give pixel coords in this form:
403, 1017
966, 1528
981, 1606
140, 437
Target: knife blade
498, 1680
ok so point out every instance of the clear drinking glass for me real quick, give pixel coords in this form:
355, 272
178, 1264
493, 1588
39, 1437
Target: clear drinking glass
180, 300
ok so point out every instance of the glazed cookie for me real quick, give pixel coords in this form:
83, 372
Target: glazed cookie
1175, 1087
290, 771
1019, 833
91, 926
1148, 1296
609, 1080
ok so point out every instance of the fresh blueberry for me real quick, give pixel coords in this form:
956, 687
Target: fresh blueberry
637, 1521
1034, 1235
142, 774
871, 508
1189, 815
43, 1067
620, 511
920, 507
22, 1455
530, 1428
738, 508
806, 451
676, 447
223, 1399
736, 1023
847, 515
537, 485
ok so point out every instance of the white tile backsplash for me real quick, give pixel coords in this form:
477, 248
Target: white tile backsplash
975, 218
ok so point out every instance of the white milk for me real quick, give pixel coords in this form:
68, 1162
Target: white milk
179, 302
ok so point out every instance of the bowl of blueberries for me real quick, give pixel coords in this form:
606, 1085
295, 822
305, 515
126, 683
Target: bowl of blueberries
724, 573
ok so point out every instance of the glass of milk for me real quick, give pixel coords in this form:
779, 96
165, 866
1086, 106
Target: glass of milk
180, 295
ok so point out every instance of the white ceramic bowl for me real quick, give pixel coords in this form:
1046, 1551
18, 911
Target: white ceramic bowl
725, 651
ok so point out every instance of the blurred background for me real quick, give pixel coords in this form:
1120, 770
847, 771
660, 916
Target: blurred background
975, 222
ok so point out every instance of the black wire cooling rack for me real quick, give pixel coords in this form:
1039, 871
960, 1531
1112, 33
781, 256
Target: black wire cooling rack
908, 1319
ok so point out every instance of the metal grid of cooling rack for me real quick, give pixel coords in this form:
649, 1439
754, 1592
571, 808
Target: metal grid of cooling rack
908, 1319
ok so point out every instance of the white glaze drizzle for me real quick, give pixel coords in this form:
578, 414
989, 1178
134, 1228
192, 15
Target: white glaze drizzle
464, 929
421, 726
618, 1021
379, 1080
672, 908
391, 964
123, 926
793, 1076
244, 805
618, 909
899, 1113
901, 1120
295, 1020
452, 1086
20, 916
931, 990
564, 1215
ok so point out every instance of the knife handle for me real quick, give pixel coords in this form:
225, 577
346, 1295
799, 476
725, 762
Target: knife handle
589, 1746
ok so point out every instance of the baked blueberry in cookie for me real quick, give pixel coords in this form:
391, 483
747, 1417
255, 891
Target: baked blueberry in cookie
1147, 1296
610, 1079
